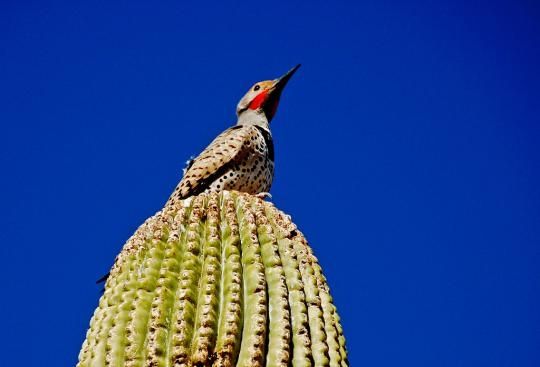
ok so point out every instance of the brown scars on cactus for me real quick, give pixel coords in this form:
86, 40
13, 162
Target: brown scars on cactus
242, 157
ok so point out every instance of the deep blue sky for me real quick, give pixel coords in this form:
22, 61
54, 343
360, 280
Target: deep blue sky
407, 150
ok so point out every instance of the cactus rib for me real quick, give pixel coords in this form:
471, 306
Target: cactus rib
252, 351
279, 315
206, 316
183, 312
302, 355
231, 290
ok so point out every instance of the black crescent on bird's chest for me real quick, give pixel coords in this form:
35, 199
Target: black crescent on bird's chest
268, 141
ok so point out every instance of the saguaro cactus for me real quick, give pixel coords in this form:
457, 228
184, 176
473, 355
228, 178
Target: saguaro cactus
216, 280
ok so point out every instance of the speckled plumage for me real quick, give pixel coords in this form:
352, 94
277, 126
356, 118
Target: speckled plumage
242, 157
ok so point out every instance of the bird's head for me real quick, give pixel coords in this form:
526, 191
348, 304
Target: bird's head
262, 99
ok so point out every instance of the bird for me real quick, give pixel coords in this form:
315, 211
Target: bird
241, 158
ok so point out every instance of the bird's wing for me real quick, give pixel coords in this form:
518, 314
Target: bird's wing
229, 147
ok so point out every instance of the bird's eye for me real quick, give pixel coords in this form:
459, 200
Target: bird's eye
257, 87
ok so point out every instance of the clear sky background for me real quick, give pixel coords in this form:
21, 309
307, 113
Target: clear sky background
407, 150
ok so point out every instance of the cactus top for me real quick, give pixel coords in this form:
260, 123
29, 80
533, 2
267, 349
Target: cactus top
219, 279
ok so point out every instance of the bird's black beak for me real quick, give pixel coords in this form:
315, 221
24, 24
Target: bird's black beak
280, 83
274, 93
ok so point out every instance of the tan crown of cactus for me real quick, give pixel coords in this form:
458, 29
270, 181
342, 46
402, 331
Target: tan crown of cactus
216, 280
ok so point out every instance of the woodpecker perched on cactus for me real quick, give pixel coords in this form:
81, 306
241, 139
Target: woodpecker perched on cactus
242, 157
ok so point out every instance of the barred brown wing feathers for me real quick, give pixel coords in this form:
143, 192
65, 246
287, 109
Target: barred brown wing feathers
229, 147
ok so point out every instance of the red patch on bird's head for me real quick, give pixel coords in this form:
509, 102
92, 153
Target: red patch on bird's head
258, 101
267, 100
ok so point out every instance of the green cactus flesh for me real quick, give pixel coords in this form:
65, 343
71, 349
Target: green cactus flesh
216, 280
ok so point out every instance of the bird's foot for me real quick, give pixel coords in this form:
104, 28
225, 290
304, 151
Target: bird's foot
263, 195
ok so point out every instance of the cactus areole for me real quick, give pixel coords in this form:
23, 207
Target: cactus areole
218, 279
